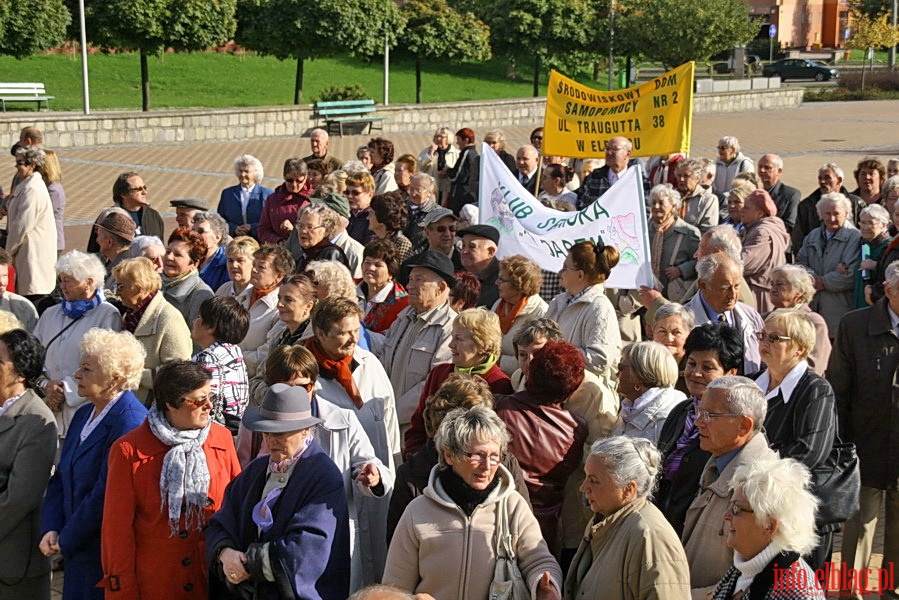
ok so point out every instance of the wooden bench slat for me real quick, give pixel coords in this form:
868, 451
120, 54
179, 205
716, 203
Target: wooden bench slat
339, 112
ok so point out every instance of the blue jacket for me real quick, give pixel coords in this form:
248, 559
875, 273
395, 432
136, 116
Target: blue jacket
73, 505
309, 541
229, 207
215, 274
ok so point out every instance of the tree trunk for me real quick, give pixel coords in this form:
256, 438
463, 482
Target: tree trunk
144, 81
298, 85
417, 80
596, 70
536, 76
510, 68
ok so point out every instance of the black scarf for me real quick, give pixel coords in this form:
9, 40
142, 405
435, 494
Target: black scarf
463, 494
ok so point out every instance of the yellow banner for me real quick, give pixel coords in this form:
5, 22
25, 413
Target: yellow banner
656, 116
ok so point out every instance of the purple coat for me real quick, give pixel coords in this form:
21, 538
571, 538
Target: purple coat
309, 541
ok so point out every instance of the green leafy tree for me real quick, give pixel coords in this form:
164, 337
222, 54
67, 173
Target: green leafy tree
27, 28
308, 29
872, 32
436, 31
553, 33
673, 33
151, 26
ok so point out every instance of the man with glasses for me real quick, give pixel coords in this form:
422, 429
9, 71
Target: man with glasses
597, 183
129, 192
729, 420
440, 232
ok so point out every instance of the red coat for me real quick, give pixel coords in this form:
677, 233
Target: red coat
416, 436
140, 560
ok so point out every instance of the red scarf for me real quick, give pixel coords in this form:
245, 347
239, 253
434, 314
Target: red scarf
340, 369
508, 312
259, 293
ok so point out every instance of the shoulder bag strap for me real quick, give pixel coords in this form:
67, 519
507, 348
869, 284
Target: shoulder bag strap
680, 238
62, 331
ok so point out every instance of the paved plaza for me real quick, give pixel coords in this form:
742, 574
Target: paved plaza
805, 137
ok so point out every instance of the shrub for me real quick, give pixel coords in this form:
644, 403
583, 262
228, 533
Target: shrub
336, 93
880, 79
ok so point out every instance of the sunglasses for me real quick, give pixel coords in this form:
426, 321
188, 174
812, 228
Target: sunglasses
142, 188
445, 228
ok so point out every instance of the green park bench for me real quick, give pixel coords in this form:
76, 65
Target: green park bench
343, 112
24, 92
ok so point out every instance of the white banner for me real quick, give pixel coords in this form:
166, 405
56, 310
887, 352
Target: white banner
526, 227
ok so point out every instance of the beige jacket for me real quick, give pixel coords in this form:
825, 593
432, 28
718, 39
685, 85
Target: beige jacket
263, 317
165, 336
590, 325
438, 550
31, 237
703, 536
408, 358
632, 554
534, 308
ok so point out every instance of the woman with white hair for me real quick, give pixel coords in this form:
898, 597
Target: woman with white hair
214, 230
31, 236
873, 222
700, 207
770, 524
647, 375
111, 366
730, 161
674, 242
437, 158
61, 328
629, 550
830, 252
793, 287
670, 327
241, 205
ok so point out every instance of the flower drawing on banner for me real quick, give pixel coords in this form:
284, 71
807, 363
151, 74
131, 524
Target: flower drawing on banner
502, 218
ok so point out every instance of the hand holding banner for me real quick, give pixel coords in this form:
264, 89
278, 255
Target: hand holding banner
656, 116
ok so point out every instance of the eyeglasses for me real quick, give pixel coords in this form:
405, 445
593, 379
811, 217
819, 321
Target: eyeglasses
309, 228
142, 188
198, 402
533, 137
445, 228
615, 149
286, 180
479, 458
723, 147
736, 510
771, 338
349, 192
706, 415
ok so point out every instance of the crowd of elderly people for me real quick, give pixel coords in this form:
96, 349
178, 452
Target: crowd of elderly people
341, 383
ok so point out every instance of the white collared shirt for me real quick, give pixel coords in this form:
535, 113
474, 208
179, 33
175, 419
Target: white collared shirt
8, 404
94, 420
245, 200
787, 386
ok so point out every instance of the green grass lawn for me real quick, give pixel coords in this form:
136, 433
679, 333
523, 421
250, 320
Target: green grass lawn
223, 80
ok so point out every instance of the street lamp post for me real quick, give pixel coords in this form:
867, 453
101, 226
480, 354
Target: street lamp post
611, 49
84, 80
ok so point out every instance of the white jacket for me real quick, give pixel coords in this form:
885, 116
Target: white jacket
590, 325
378, 412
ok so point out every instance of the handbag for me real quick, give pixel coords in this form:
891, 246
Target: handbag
837, 483
507, 584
